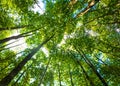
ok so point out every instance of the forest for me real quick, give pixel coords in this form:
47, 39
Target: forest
59, 42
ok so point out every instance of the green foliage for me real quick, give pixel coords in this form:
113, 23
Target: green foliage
59, 61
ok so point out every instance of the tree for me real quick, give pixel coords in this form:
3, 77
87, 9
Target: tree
6, 80
83, 51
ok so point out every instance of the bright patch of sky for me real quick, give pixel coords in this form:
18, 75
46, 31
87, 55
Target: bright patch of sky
20, 42
45, 50
56, 83
32, 80
66, 36
118, 30
91, 33
16, 17
39, 7
79, 24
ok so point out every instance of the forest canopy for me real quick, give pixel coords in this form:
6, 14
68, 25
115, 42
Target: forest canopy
59, 42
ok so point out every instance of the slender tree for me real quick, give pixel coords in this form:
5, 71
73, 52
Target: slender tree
93, 68
84, 72
18, 36
59, 75
12, 46
8, 44
13, 28
21, 75
43, 75
70, 73
6, 80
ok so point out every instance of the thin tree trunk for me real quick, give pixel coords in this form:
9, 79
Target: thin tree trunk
16, 37
9, 64
59, 75
13, 28
72, 84
22, 74
101, 16
101, 61
92, 66
86, 75
12, 46
8, 44
44, 72
39, 6
6, 80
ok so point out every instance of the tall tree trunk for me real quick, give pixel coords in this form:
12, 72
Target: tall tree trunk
92, 66
86, 75
59, 75
12, 46
8, 44
21, 75
13, 28
16, 37
101, 61
42, 77
72, 84
9, 62
6, 80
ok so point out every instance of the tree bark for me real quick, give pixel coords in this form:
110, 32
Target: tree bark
44, 72
86, 75
72, 84
59, 75
16, 37
92, 66
21, 75
8, 44
6, 80
13, 28
12, 46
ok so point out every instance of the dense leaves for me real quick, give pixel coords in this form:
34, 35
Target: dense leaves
66, 43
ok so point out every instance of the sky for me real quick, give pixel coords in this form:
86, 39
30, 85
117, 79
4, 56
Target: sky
40, 7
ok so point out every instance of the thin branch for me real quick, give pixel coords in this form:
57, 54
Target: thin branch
44, 72
12, 46
39, 6
90, 5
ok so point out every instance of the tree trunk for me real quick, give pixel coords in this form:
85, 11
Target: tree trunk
42, 77
86, 75
8, 44
12, 46
13, 28
59, 74
21, 75
16, 37
6, 80
72, 84
92, 66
